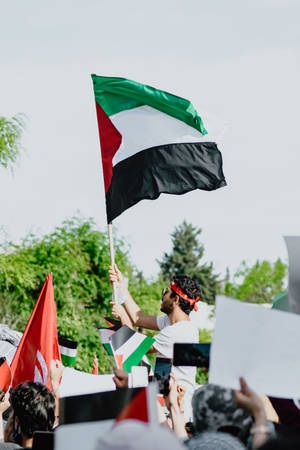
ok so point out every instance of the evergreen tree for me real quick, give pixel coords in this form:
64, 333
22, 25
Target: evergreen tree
185, 259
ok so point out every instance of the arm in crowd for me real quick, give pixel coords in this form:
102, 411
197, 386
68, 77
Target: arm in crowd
175, 406
120, 313
136, 315
250, 401
56, 370
4, 405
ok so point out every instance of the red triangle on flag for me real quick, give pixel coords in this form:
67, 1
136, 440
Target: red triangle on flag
5, 375
119, 361
137, 408
39, 343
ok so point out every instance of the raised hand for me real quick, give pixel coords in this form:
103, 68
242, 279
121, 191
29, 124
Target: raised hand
248, 399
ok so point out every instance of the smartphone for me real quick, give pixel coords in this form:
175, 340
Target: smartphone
162, 372
191, 355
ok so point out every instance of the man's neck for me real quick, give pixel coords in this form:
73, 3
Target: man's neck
178, 316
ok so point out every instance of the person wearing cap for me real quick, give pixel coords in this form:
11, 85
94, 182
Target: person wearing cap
178, 300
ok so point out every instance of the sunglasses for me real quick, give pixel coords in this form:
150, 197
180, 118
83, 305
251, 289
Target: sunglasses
164, 291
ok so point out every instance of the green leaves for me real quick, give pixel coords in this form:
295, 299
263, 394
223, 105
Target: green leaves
78, 256
10, 135
257, 284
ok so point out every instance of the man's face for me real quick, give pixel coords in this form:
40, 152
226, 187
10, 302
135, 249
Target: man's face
167, 302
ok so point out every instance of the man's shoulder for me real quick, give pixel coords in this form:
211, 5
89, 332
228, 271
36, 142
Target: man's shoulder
162, 322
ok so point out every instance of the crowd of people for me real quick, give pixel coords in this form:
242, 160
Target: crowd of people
204, 417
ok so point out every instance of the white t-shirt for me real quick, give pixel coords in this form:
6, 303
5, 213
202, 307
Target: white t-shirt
184, 331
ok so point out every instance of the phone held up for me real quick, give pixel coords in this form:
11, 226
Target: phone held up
192, 355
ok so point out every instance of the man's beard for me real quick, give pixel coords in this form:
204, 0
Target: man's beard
167, 308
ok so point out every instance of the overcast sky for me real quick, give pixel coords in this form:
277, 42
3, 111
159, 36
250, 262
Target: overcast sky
237, 61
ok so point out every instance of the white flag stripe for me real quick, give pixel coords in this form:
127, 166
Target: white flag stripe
145, 127
105, 336
130, 345
68, 351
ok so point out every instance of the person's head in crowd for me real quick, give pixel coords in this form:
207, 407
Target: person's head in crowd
134, 435
211, 440
33, 409
183, 292
215, 409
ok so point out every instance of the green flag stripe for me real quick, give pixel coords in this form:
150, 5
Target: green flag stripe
135, 357
68, 360
118, 94
108, 349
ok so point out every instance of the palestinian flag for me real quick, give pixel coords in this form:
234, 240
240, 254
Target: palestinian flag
121, 404
152, 142
68, 351
147, 363
129, 347
105, 335
5, 375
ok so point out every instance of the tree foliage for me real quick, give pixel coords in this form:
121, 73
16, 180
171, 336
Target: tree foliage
185, 259
78, 256
10, 135
257, 284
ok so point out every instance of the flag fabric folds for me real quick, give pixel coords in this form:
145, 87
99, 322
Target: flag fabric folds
152, 142
68, 351
39, 343
129, 347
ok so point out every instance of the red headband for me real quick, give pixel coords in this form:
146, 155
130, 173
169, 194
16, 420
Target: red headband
178, 291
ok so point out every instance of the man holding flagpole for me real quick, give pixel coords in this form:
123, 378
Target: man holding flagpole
178, 300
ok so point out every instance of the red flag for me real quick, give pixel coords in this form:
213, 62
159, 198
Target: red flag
5, 375
39, 343
95, 366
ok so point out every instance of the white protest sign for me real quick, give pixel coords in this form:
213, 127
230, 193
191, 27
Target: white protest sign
75, 382
259, 344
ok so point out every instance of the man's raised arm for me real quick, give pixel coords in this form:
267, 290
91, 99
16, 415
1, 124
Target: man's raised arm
137, 316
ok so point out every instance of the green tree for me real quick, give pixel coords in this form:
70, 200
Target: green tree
10, 135
78, 256
185, 259
257, 284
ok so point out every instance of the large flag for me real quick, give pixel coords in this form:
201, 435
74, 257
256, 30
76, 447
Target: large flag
152, 142
39, 343
129, 347
68, 351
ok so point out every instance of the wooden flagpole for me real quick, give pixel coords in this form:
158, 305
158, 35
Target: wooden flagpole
112, 258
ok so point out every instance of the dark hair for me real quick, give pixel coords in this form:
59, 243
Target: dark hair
34, 405
191, 288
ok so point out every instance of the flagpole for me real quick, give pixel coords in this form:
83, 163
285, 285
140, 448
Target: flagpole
112, 258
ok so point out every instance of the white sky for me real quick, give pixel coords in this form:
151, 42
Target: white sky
237, 61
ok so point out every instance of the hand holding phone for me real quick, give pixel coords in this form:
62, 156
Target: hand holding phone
162, 374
